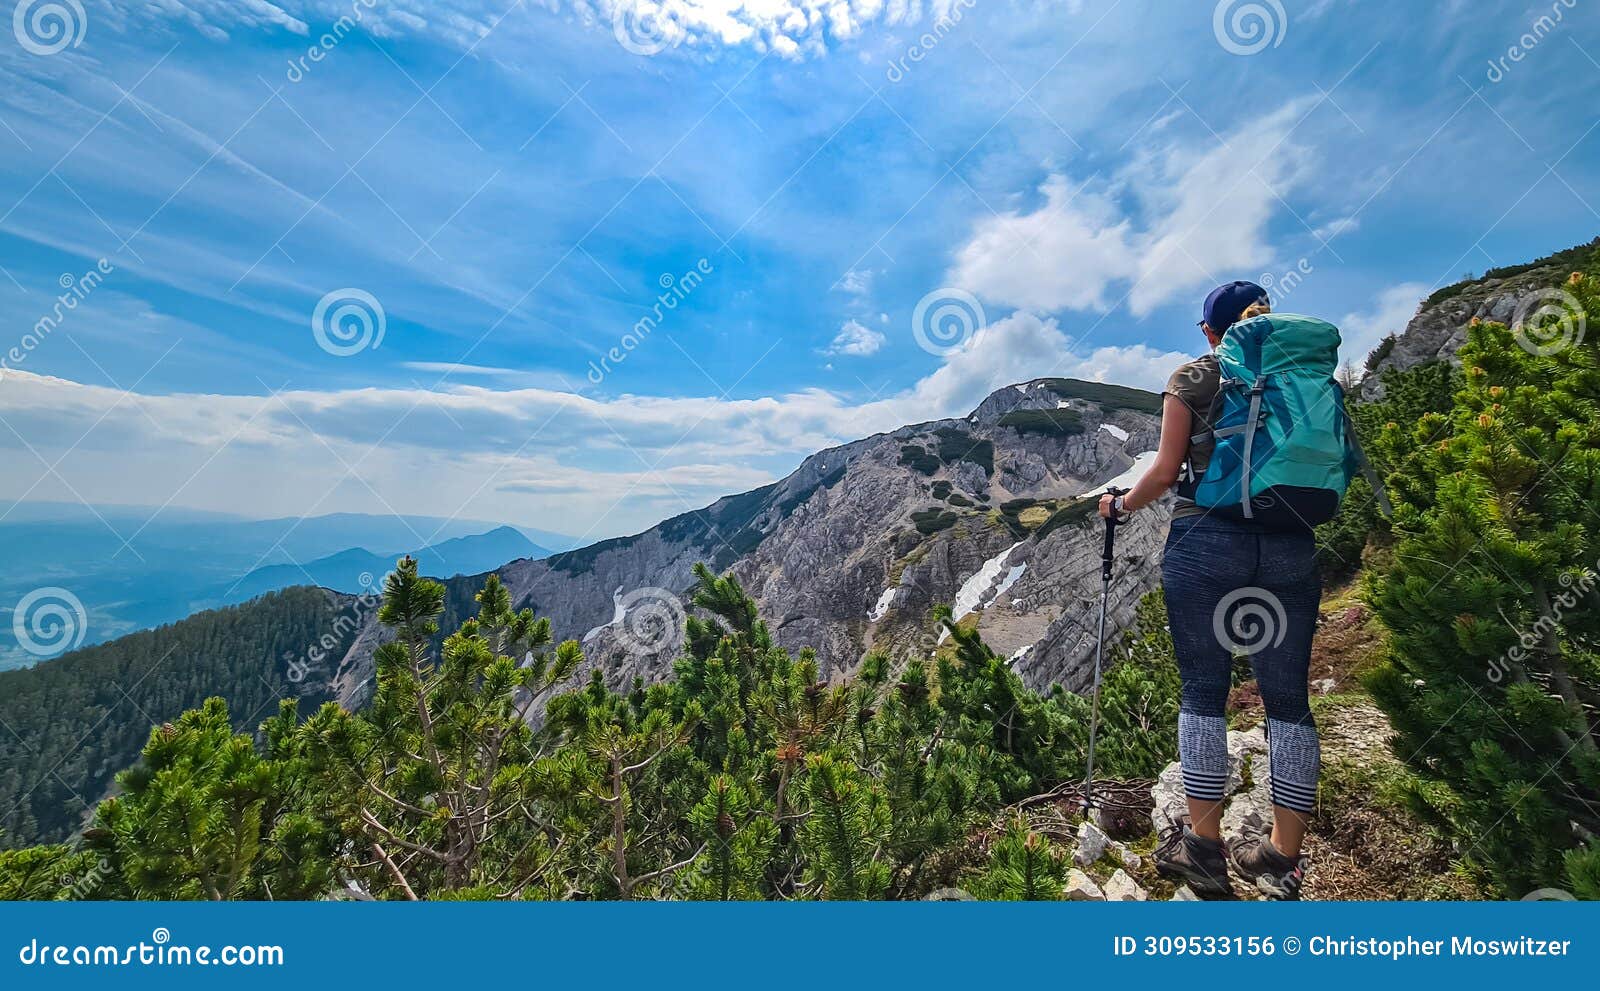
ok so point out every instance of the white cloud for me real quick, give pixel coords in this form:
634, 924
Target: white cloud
791, 29
1201, 220
575, 462
1390, 312
1337, 228
856, 282
453, 368
857, 340
1064, 255
1020, 348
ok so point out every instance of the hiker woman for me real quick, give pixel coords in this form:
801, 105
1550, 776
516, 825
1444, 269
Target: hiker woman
1214, 565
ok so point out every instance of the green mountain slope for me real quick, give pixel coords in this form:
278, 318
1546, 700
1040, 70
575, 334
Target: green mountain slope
67, 727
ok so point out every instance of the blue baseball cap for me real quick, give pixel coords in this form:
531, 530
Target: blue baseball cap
1225, 303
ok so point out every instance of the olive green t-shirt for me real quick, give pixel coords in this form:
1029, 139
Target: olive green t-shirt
1195, 385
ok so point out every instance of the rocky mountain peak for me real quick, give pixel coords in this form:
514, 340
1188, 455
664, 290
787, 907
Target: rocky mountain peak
992, 513
1439, 328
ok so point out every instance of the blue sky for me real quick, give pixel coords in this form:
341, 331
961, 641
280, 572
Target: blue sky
514, 183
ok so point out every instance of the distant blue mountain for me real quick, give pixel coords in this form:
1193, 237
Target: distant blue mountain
176, 562
357, 569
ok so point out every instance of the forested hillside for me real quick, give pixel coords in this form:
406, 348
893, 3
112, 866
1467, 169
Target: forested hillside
75, 722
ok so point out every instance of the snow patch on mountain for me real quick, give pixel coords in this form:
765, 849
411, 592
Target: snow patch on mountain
978, 589
884, 602
1126, 480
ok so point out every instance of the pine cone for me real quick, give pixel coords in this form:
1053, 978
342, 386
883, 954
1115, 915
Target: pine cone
724, 825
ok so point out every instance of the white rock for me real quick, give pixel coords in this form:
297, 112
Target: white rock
1183, 894
1249, 812
1092, 844
1132, 861
1122, 888
1253, 741
1324, 685
1168, 796
1081, 888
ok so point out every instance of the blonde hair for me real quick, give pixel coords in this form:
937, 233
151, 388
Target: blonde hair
1255, 310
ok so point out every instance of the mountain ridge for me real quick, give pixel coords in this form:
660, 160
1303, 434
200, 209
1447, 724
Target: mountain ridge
907, 517
357, 569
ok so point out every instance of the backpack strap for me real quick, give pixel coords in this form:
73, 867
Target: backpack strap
1188, 478
1367, 472
1249, 446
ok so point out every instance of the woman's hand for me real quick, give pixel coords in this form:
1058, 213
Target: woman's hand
1105, 506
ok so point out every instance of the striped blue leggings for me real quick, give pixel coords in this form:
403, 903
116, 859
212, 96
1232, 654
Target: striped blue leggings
1234, 588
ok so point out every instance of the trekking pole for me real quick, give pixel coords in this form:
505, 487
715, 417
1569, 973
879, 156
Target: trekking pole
1085, 802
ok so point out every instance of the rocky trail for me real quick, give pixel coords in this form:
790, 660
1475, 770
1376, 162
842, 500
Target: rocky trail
1364, 843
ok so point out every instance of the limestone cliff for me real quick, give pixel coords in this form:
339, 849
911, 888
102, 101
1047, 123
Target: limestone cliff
992, 513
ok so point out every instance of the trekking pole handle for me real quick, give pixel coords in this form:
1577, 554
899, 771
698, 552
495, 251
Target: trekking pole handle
1111, 536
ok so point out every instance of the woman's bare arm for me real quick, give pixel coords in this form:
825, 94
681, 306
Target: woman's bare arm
1176, 424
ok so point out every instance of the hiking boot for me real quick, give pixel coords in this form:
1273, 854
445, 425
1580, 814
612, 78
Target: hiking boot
1275, 875
1201, 863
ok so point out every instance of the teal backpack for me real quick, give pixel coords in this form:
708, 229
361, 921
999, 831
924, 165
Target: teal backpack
1285, 447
